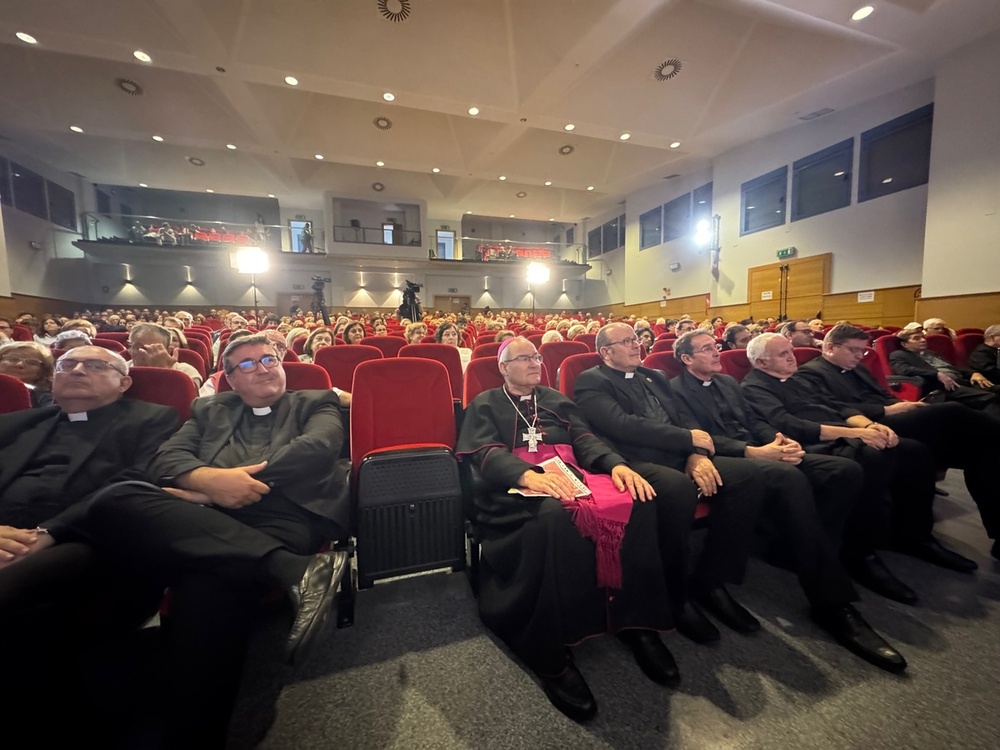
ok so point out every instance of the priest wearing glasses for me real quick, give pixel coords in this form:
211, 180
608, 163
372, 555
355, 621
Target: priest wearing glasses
566, 554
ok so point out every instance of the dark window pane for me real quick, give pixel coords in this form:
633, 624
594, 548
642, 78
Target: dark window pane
62, 206
571, 235
702, 206
763, 201
594, 243
821, 182
621, 231
5, 195
126, 211
103, 203
610, 235
676, 217
649, 227
896, 155
29, 191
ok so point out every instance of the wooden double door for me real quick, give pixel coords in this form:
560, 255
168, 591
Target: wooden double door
792, 288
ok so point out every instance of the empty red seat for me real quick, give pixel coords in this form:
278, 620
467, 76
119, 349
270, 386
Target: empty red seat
572, 366
120, 336
14, 395
665, 362
191, 357
901, 388
554, 353
590, 339
663, 345
340, 362
388, 345
481, 375
161, 385
942, 344
735, 363
445, 354
109, 344
489, 349
805, 354
964, 344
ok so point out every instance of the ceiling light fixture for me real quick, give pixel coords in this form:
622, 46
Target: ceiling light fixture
590, 187
502, 178
569, 126
378, 187
512, 216
624, 136
76, 128
209, 190
158, 138
230, 146
435, 170
887, 180
862, 13
270, 195
468, 212
473, 111
291, 80
675, 144
388, 96
319, 156
551, 219
143, 184
380, 164
142, 56
26, 38
839, 174
548, 182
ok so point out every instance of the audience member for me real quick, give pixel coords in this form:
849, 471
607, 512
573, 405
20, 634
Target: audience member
414, 332
984, 360
448, 333
799, 333
319, 338
937, 325
70, 339
32, 364
49, 330
353, 333
736, 337
150, 346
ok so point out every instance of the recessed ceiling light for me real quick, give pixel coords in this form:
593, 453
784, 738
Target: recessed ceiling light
142, 56
435, 170
862, 13
569, 126
76, 128
887, 180
551, 219
380, 164
231, 147
839, 174
675, 144
590, 187
388, 96
512, 216
158, 138
26, 38
209, 190
751, 208
502, 178
473, 111
291, 80
143, 184
270, 195
624, 136
319, 156
548, 182
468, 212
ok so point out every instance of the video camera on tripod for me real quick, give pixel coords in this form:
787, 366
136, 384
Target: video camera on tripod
411, 302
319, 302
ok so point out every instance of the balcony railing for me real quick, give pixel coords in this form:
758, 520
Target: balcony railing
377, 235
492, 250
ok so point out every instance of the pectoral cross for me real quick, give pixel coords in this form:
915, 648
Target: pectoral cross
534, 437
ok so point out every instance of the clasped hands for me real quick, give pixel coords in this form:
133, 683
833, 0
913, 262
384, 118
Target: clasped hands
227, 488
556, 484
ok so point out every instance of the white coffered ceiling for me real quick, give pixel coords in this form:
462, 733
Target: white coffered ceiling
747, 68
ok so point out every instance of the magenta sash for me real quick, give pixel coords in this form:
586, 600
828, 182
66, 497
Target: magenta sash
601, 517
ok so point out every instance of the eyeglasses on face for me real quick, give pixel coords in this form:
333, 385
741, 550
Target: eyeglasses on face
630, 342
708, 349
526, 358
249, 365
857, 351
90, 365
13, 361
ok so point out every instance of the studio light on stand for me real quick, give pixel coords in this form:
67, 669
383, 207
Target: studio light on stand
537, 274
707, 233
252, 260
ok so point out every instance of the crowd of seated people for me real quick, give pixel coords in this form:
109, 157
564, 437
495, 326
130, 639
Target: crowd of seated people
816, 469
166, 234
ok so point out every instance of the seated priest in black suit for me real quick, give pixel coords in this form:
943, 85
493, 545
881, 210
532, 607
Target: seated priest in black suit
808, 498
633, 408
958, 437
984, 360
893, 466
563, 563
55, 458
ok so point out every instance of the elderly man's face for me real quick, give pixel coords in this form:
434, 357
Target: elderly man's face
89, 377
780, 359
941, 327
257, 383
706, 360
623, 352
683, 326
521, 366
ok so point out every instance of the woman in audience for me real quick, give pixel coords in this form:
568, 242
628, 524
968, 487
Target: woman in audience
447, 333
319, 338
340, 325
646, 338
415, 332
575, 330
718, 326
71, 339
503, 334
32, 364
297, 332
354, 332
379, 327
49, 330
550, 337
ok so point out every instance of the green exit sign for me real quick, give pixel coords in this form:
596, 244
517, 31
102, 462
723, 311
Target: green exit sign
787, 252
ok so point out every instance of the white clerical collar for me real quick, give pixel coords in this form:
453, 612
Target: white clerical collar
629, 375
80, 416
526, 398
261, 411
782, 380
706, 383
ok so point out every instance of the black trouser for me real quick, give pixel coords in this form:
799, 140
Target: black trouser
959, 438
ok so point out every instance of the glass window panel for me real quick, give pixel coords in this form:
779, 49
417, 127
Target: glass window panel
609, 234
5, 194
701, 207
650, 224
896, 155
821, 182
594, 243
763, 201
621, 231
677, 218
29, 191
103, 203
62, 206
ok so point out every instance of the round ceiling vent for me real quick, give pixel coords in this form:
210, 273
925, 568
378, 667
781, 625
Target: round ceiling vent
667, 69
382, 123
130, 87
522, 194
396, 11
196, 161
566, 150
378, 187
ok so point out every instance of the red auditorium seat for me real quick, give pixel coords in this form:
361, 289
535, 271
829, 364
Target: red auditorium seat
805, 354
389, 345
555, 352
667, 336
590, 339
340, 362
14, 395
663, 345
191, 357
205, 352
666, 362
161, 385
486, 350
877, 333
534, 338
291, 356
902, 388
120, 336
109, 344
445, 354
735, 363
428, 340
298, 344
964, 344
21, 333
962, 331
481, 375
942, 344
404, 474
572, 366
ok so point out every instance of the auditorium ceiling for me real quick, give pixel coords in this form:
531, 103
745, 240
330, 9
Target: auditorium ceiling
685, 79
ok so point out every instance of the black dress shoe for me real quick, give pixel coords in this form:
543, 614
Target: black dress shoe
720, 603
694, 625
872, 573
932, 551
569, 693
653, 658
850, 630
312, 599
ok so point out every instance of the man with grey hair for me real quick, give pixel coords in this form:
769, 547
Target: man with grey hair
149, 345
984, 360
184, 317
634, 409
810, 531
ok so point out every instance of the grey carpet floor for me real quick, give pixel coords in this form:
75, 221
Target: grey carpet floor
418, 670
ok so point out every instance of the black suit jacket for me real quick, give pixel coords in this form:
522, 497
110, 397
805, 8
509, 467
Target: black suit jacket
131, 431
706, 412
912, 365
849, 392
986, 361
303, 463
609, 404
